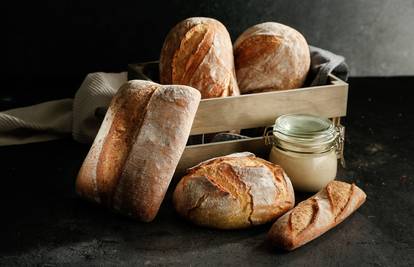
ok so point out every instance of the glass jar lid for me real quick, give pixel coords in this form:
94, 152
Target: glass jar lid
304, 133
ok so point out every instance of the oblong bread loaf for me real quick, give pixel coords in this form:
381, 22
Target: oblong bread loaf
138, 146
198, 52
316, 215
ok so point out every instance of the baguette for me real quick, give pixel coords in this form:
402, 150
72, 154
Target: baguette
316, 215
198, 52
137, 148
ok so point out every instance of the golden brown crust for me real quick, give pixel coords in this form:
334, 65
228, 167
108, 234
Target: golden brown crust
124, 169
234, 191
84, 183
253, 48
156, 151
338, 194
271, 56
193, 48
303, 216
116, 145
316, 215
106, 157
198, 52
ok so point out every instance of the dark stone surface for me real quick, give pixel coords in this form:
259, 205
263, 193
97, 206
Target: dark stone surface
43, 222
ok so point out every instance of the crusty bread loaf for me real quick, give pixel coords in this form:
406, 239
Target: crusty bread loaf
138, 146
316, 215
198, 52
234, 191
271, 56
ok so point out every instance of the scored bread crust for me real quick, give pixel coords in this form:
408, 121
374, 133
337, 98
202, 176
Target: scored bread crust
271, 56
101, 168
138, 146
234, 191
198, 52
316, 215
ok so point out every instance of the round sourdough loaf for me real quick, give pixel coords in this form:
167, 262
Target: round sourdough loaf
198, 52
234, 191
271, 56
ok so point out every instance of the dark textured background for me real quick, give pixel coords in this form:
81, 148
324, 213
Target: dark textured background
51, 45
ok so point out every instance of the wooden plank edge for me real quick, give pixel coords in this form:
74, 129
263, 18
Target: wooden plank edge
205, 103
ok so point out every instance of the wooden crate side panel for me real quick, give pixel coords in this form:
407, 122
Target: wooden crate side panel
256, 110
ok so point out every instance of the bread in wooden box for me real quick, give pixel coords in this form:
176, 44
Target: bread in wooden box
198, 52
138, 146
234, 191
316, 215
271, 56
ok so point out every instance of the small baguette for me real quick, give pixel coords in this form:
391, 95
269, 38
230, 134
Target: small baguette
316, 215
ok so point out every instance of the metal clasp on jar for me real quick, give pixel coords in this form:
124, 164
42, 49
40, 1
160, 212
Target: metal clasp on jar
268, 136
340, 141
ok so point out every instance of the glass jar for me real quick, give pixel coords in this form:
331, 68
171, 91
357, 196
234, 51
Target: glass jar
307, 147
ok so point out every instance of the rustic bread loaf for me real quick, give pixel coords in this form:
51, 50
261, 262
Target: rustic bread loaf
271, 56
134, 155
198, 52
316, 215
234, 191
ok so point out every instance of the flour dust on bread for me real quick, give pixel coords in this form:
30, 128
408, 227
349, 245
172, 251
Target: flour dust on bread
271, 56
135, 153
234, 191
316, 215
198, 52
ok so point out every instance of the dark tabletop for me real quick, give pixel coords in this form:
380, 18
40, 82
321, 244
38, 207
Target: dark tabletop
44, 223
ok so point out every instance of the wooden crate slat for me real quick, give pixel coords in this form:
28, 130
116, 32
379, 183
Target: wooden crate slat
256, 110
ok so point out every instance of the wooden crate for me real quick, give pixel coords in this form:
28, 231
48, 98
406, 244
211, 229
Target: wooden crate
253, 110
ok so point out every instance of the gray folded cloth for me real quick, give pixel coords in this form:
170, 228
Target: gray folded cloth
80, 117
324, 63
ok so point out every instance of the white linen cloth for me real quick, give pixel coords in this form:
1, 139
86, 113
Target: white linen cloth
56, 119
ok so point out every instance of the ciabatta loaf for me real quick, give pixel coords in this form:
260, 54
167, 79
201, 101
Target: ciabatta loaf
198, 52
234, 191
316, 215
135, 153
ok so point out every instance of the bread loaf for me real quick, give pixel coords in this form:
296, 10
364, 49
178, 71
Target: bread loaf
271, 56
134, 155
234, 191
316, 215
198, 52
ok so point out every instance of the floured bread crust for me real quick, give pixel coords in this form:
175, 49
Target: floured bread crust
271, 56
234, 191
138, 146
316, 215
198, 52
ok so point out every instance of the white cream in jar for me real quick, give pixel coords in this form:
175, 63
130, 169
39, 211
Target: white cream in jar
306, 147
